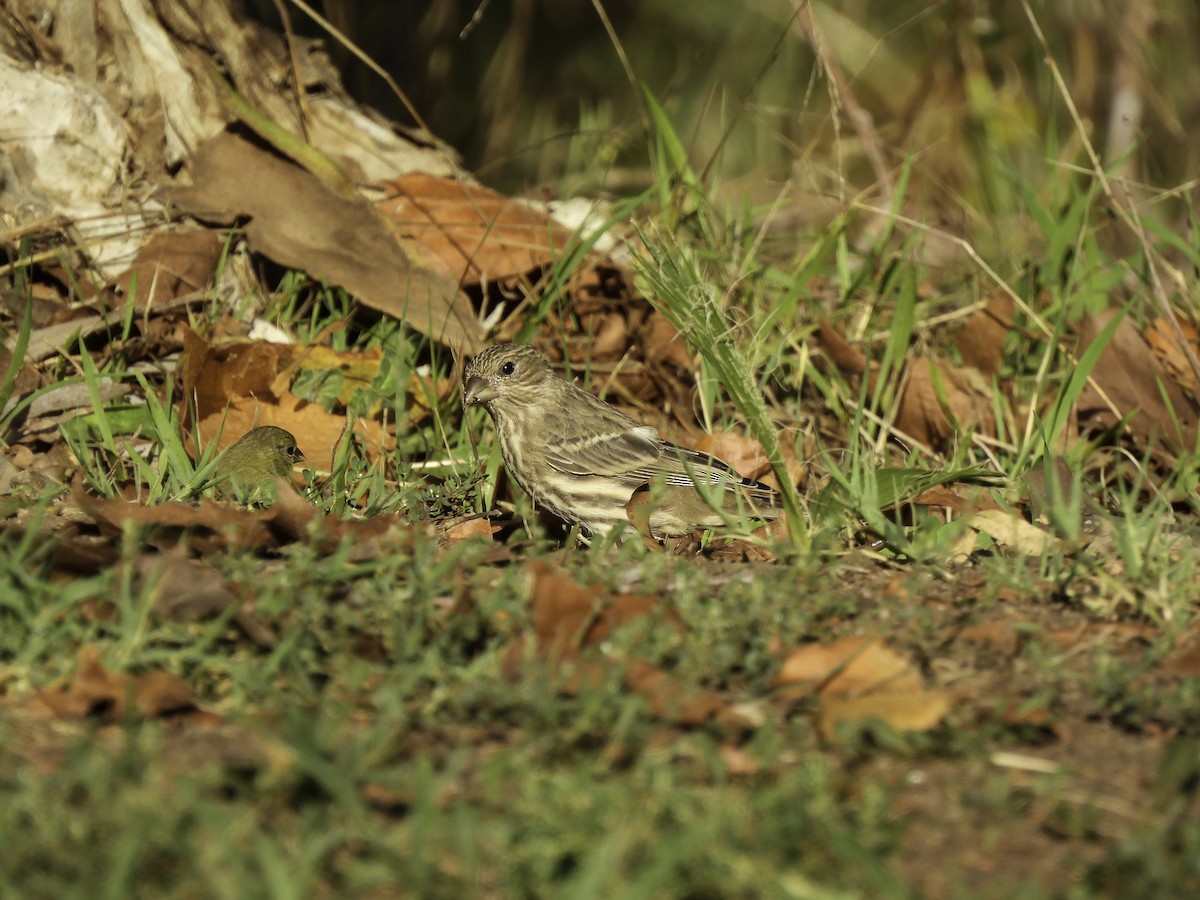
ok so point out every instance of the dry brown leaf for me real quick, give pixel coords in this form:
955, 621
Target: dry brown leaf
849, 361
936, 400
1166, 346
184, 589
571, 622
94, 691
736, 550
475, 234
744, 454
1184, 659
471, 528
611, 337
27, 378
171, 264
981, 338
95, 704
1014, 711
1011, 531
738, 761
240, 386
670, 699
1112, 635
849, 666
1001, 636
859, 678
298, 222
662, 343
224, 525
568, 617
1138, 386
902, 710
942, 495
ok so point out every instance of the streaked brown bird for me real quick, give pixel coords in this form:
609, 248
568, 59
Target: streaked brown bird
584, 461
248, 467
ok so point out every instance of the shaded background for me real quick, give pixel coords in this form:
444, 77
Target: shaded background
529, 90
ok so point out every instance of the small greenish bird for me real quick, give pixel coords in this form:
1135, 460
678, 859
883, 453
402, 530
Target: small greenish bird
248, 468
590, 464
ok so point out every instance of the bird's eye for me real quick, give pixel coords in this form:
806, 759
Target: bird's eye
508, 368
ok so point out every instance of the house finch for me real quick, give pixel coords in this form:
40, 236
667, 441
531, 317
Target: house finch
247, 469
584, 461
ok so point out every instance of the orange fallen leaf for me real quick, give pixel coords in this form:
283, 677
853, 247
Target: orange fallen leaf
568, 617
472, 233
1129, 381
1000, 636
936, 400
472, 528
662, 343
240, 386
571, 623
95, 691
902, 710
1166, 345
225, 525
171, 264
850, 665
744, 454
859, 678
296, 219
981, 338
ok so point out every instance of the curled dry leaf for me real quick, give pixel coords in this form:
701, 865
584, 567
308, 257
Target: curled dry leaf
1128, 380
1000, 636
859, 678
171, 264
571, 623
191, 590
473, 234
184, 589
95, 691
936, 400
749, 459
568, 618
916, 711
241, 386
477, 527
213, 526
1171, 352
45, 729
849, 666
1013, 532
299, 222
744, 454
1184, 659
662, 343
223, 524
981, 338
611, 337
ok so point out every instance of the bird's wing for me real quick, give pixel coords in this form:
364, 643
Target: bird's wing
627, 453
636, 455
681, 466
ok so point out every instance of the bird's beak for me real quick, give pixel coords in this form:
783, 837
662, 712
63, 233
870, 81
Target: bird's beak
478, 391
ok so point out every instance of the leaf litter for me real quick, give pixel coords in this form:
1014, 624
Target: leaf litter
457, 248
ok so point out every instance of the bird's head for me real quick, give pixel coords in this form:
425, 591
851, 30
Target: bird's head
506, 375
283, 445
